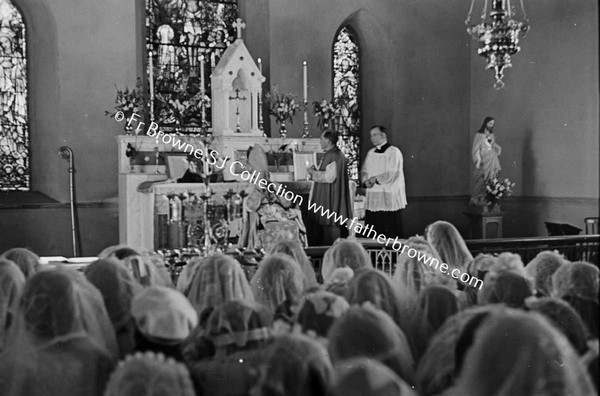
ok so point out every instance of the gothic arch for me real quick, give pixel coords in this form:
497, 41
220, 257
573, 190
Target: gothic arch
43, 98
376, 92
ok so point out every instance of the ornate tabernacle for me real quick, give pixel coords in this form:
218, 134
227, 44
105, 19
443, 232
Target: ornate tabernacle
236, 86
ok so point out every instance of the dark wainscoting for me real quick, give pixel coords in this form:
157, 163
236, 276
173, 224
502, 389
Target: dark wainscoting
45, 227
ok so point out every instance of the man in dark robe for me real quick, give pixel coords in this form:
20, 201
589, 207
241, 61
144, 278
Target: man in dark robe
330, 191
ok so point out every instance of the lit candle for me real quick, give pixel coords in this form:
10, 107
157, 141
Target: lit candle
260, 65
305, 78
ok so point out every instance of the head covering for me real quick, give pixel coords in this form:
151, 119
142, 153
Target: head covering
374, 286
412, 275
481, 265
184, 280
437, 303
147, 270
564, 317
436, 370
12, 282
150, 374
219, 278
117, 286
541, 269
506, 287
509, 262
365, 331
344, 253
295, 365
367, 377
449, 244
117, 251
518, 353
278, 279
236, 323
579, 279
294, 249
339, 280
318, 310
62, 341
163, 315
25, 259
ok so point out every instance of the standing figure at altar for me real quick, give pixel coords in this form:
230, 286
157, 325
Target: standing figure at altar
268, 217
485, 155
331, 192
383, 176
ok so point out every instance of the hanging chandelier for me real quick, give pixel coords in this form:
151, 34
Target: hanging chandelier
498, 35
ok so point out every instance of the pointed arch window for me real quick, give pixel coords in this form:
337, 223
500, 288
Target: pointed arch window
14, 129
178, 33
346, 84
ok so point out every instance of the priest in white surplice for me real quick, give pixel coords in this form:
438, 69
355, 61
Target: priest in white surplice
383, 177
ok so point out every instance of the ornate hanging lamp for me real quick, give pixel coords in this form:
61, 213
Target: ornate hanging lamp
498, 35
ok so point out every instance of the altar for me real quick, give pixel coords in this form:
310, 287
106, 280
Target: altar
146, 186
156, 211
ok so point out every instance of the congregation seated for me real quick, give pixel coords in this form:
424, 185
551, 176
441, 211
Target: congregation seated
361, 331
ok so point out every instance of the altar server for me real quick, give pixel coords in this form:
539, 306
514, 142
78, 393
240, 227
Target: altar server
383, 176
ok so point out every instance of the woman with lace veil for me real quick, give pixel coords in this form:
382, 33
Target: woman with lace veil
150, 374
295, 365
295, 250
12, 282
62, 341
237, 332
146, 269
261, 207
118, 288
577, 283
278, 284
344, 253
219, 278
521, 353
366, 377
366, 331
449, 244
25, 259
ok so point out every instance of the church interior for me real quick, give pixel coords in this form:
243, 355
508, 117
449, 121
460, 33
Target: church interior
420, 76
158, 160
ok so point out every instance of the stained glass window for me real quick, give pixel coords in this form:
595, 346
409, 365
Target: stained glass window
14, 131
346, 66
183, 35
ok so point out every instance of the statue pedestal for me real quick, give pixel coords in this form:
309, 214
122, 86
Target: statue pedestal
485, 225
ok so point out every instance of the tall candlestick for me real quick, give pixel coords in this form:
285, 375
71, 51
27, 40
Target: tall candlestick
151, 78
202, 89
260, 65
305, 81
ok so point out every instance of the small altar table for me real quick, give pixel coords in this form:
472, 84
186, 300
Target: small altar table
482, 222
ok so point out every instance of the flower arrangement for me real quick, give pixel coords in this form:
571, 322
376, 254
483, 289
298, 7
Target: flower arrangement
497, 189
183, 107
283, 107
325, 112
129, 101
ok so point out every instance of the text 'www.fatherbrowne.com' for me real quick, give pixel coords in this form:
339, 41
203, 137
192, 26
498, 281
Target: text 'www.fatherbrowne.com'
213, 158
